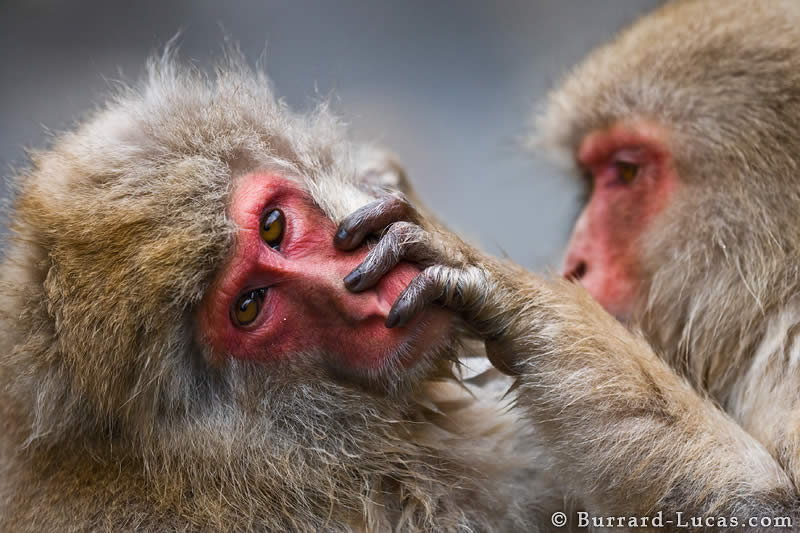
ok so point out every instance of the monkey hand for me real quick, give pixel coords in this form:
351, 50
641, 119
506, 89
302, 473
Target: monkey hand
454, 274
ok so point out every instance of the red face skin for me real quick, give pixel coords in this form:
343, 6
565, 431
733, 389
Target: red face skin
306, 307
603, 251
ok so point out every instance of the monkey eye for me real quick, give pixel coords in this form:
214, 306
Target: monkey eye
272, 226
247, 307
626, 171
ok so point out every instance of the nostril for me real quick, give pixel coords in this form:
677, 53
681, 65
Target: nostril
577, 272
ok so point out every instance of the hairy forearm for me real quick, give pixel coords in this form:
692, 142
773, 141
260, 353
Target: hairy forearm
625, 431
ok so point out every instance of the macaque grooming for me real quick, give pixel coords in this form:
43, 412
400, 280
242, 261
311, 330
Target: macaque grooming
221, 315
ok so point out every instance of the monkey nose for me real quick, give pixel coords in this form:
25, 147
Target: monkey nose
576, 272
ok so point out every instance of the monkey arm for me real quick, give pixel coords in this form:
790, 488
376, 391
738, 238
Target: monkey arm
625, 432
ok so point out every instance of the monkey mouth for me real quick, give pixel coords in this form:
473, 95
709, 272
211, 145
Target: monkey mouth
425, 340
400, 347
393, 283
427, 332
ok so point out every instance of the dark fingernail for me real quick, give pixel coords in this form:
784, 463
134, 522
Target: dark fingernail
392, 319
341, 235
395, 315
352, 279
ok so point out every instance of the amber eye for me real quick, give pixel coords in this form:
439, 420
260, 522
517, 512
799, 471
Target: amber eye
248, 306
626, 171
272, 226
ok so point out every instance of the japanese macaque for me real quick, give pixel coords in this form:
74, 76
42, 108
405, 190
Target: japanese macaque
200, 331
685, 128
180, 350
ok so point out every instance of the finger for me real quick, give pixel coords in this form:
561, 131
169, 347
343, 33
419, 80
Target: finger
459, 290
380, 260
371, 218
424, 289
402, 241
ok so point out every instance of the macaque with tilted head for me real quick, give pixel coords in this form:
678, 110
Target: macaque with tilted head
179, 347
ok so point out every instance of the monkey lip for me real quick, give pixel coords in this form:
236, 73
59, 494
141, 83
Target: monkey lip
402, 346
406, 344
392, 284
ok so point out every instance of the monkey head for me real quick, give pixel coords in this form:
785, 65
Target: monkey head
682, 146
174, 256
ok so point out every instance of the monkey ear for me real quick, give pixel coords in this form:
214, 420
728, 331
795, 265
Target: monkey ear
380, 168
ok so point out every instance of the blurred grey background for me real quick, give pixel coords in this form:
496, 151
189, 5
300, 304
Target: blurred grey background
449, 86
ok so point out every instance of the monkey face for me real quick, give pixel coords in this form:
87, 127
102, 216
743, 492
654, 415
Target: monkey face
282, 292
631, 179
